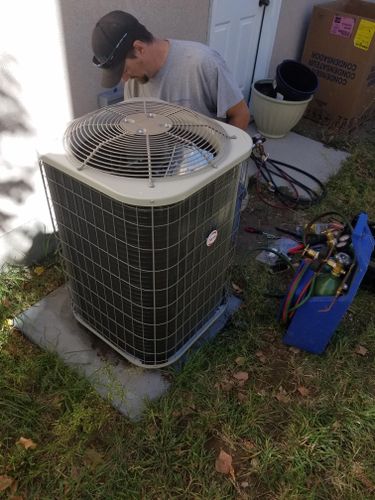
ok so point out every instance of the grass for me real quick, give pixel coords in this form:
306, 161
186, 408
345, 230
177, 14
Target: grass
285, 444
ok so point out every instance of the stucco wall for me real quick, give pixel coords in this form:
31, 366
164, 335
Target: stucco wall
184, 19
35, 104
291, 30
46, 79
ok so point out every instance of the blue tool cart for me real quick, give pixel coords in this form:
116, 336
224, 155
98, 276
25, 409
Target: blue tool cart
314, 322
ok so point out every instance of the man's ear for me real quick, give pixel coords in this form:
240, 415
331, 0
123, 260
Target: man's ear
139, 47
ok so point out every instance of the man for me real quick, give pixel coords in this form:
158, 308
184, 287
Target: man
186, 73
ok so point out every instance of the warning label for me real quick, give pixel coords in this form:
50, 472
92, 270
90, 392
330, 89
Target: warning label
332, 69
342, 26
365, 32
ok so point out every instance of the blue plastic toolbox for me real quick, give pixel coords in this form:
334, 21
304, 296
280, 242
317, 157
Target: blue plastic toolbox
314, 323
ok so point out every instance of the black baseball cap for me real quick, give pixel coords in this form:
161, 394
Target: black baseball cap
112, 38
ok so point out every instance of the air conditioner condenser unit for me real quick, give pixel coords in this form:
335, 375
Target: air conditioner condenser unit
144, 198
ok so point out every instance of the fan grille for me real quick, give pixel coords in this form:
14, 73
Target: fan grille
146, 139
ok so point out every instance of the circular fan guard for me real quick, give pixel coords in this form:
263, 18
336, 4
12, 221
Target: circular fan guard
146, 139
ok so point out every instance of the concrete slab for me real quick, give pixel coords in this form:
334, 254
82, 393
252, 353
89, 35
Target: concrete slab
52, 326
309, 155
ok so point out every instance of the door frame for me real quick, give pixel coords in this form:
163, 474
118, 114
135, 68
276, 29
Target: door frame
266, 37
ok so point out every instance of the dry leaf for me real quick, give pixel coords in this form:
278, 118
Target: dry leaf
282, 398
261, 392
244, 484
27, 443
241, 376
282, 395
67, 488
5, 482
56, 401
93, 457
241, 396
74, 473
226, 386
254, 463
39, 270
223, 464
188, 410
240, 361
361, 350
260, 355
361, 476
184, 412
249, 445
6, 302
304, 391
236, 288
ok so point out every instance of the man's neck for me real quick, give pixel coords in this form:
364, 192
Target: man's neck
158, 55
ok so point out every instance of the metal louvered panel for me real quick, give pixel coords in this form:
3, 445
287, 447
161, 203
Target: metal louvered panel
143, 278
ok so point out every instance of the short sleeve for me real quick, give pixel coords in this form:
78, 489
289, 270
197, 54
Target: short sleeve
227, 91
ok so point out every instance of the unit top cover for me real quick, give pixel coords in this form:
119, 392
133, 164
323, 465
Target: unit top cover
146, 139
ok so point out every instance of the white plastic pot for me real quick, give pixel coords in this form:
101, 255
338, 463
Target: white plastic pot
274, 118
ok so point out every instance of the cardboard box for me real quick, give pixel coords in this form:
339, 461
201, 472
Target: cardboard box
340, 48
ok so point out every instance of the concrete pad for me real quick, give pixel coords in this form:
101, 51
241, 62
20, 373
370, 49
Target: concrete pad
308, 155
51, 325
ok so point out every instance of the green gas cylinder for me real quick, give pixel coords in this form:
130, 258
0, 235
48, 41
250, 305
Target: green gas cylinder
326, 284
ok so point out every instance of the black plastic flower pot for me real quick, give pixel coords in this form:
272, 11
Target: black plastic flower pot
295, 81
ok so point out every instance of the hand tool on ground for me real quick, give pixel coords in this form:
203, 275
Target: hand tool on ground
254, 230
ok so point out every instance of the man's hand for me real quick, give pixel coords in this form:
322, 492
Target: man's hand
239, 115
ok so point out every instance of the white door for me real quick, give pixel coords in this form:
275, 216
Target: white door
234, 32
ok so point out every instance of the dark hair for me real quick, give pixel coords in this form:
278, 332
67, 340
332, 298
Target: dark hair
143, 35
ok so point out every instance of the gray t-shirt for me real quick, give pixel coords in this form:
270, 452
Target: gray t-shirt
194, 76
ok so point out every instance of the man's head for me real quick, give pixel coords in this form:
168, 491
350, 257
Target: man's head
119, 36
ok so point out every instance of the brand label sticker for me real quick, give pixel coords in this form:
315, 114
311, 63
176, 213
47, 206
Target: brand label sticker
212, 238
342, 26
365, 32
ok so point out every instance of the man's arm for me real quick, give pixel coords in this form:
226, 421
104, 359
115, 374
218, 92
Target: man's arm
239, 115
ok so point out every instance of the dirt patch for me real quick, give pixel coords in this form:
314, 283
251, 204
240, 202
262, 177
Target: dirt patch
261, 216
333, 137
18, 346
